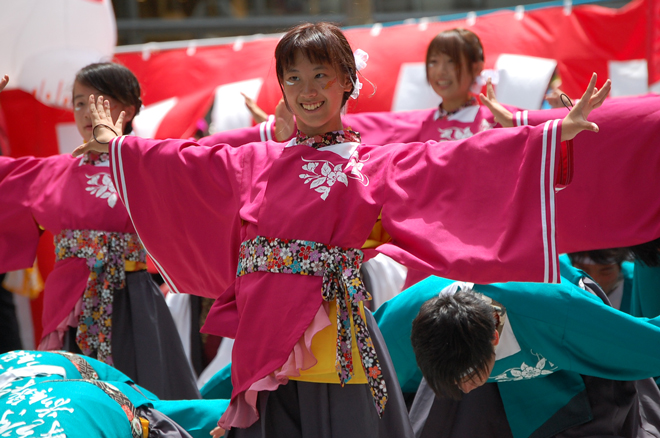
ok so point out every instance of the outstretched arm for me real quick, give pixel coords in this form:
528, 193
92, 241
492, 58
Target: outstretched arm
3, 82
576, 120
104, 128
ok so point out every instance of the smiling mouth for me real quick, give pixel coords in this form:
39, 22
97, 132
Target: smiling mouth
443, 83
311, 106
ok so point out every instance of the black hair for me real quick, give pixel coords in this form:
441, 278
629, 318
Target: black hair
452, 336
600, 256
115, 81
648, 253
320, 43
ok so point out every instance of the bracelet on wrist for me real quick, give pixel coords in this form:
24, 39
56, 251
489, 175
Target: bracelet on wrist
106, 126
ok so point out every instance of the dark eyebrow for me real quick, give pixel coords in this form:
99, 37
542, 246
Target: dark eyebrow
78, 96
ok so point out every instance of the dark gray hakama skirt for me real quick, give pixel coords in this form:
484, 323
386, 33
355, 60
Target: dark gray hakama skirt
145, 342
322, 410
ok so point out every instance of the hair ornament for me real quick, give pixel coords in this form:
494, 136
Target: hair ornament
481, 80
457, 286
361, 58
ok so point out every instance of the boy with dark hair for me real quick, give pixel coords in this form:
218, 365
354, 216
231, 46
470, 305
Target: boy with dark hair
445, 322
559, 360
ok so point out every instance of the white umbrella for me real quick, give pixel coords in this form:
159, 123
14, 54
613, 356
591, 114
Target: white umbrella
43, 43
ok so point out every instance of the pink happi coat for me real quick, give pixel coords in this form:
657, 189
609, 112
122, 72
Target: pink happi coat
384, 127
480, 209
55, 193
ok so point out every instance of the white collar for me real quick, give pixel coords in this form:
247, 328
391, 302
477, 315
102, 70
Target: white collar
344, 150
464, 115
508, 345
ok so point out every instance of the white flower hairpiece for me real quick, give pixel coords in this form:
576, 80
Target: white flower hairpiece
455, 287
361, 58
480, 80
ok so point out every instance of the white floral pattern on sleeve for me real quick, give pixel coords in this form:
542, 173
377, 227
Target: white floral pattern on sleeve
525, 372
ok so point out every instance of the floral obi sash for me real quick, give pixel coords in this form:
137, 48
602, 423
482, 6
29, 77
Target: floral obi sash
108, 255
340, 269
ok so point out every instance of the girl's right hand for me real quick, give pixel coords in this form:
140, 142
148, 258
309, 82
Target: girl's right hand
502, 115
104, 128
577, 119
284, 123
3, 82
217, 432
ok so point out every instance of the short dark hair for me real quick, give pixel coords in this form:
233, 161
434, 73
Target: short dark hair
451, 335
608, 256
115, 81
647, 253
461, 45
319, 42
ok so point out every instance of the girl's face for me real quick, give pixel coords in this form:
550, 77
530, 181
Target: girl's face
81, 112
445, 81
314, 93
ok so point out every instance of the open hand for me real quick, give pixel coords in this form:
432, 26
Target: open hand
3, 82
104, 128
217, 432
553, 96
284, 123
258, 114
576, 120
502, 115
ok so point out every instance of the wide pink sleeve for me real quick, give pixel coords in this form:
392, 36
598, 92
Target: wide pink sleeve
614, 199
19, 232
480, 209
264, 131
184, 202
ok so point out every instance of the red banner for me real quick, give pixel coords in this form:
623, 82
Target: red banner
582, 40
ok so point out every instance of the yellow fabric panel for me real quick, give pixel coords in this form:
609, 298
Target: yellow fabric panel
378, 235
131, 266
324, 348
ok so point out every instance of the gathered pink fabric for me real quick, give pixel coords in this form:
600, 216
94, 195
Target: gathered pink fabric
55, 339
244, 412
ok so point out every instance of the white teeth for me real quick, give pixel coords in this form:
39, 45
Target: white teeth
311, 107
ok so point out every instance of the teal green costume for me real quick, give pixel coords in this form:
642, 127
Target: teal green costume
645, 299
219, 386
77, 393
562, 330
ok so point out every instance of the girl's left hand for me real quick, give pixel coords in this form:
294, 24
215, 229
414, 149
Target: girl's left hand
258, 114
501, 115
3, 82
217, 432
576, 120
104, 129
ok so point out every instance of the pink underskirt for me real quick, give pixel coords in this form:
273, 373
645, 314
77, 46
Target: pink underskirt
55, 339
242, 411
